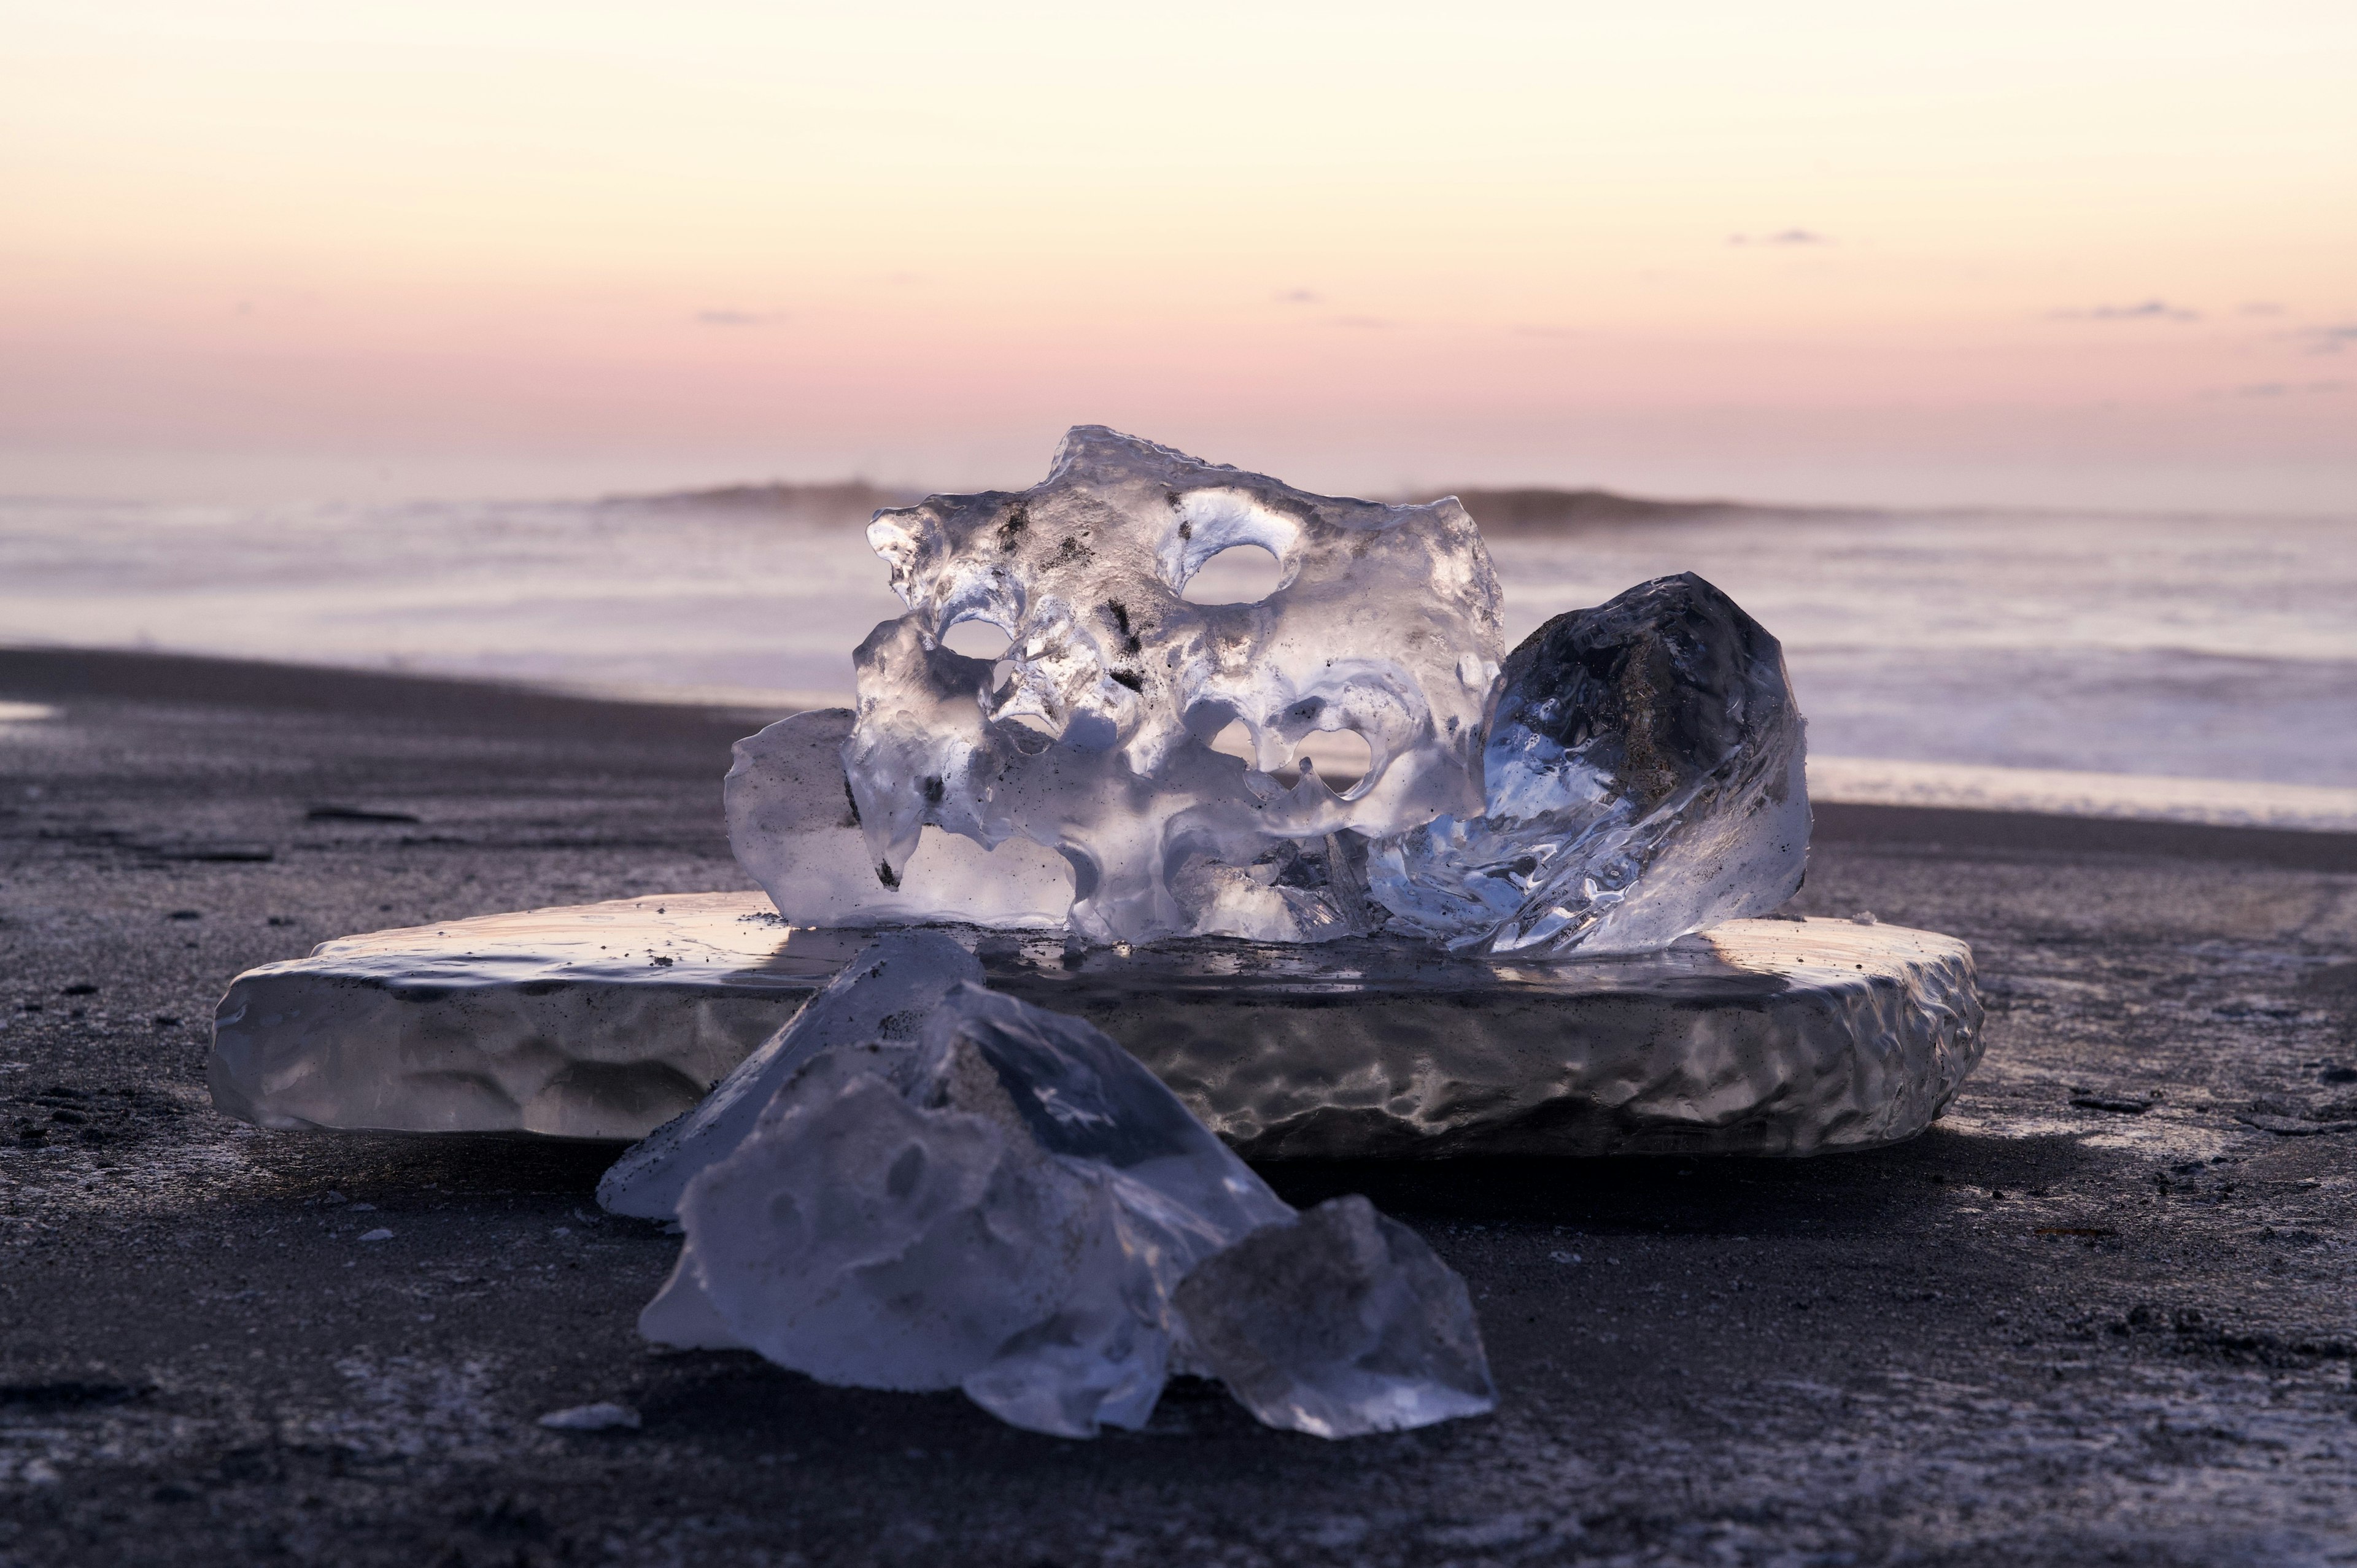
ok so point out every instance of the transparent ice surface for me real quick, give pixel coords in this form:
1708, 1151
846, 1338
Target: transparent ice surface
1090, 736
1774, 1037
1006, 1205
1339, 1322
1635, 773
795, 831
1644, 771
884, 994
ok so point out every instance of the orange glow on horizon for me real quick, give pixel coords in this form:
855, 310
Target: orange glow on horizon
2083, 253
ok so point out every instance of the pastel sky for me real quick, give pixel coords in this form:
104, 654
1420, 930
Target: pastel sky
2067, 252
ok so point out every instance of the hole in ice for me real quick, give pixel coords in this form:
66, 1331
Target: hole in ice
1342, 755
1235, 740
1240, 575
1032, 734
976, 639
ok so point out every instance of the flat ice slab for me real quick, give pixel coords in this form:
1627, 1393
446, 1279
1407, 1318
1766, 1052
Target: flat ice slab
1771, 1036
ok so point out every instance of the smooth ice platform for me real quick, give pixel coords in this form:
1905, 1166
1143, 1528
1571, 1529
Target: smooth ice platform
1759, 1036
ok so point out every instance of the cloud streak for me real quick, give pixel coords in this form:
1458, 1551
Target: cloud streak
1782, 236
2278, 388
737, 317
2143, 310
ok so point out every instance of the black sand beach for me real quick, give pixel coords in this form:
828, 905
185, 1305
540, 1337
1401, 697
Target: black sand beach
2105, 1311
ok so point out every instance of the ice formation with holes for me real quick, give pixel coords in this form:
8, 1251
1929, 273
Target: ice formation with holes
1633, 774
1091, 735
1645, 777
999, 1199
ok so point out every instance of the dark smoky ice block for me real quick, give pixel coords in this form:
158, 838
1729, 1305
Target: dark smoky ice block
1644, 776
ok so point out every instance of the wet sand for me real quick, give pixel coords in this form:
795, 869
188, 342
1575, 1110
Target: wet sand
2105, 1310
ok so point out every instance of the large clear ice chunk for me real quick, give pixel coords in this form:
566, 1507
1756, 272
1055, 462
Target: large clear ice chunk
1634, 773
1643, 767
1009, 1205
1091, 735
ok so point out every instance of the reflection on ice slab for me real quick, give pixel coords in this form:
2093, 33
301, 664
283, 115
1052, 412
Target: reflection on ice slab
607, 1020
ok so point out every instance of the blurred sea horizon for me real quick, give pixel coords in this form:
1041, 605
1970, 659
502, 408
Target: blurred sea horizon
2057, 660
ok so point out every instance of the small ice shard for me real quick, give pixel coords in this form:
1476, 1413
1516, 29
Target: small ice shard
1004, 1206
1091, 738
603, 1416
884, 995
1339, 1322
795, 831
1643, 767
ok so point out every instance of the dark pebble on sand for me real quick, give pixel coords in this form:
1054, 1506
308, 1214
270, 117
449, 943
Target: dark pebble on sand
356, 814
2119, 1104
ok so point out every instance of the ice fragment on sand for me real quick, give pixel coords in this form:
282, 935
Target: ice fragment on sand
1643, 771
884, 995
1005, 1205
1339, 1322
1090, 737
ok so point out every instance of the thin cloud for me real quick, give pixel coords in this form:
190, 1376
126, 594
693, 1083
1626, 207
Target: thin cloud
737, 317
1782, 236
2261, 307
2279, 389
1365, 323
1295, 297
2329, 339
2143, 310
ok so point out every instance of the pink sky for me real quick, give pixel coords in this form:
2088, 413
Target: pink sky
2073, 254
